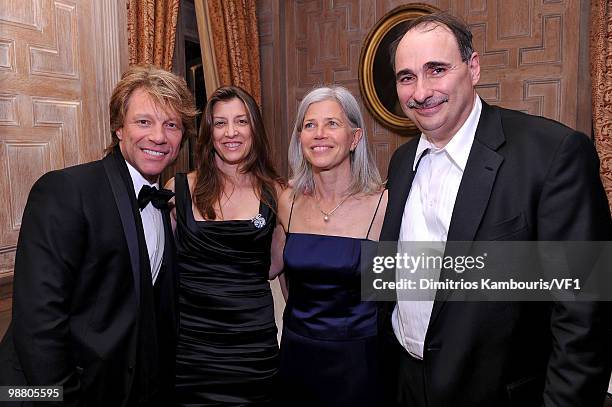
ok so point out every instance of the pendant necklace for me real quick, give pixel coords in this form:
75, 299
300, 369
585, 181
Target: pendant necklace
326, 215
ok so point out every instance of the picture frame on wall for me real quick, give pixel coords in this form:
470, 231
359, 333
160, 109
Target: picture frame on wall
376, 76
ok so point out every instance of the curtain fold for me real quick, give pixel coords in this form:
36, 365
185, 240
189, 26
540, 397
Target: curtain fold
152, 31
207, 47
233, 24
601, 77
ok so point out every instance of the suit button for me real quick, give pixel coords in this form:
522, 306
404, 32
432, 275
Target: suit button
130, 368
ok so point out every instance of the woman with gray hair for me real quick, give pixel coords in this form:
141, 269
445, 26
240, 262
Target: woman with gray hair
336, 201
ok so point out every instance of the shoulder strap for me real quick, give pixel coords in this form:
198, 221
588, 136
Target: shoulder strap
290, 214
181, 191
375, 212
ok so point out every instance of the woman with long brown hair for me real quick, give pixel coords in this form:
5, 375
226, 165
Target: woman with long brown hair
227, 249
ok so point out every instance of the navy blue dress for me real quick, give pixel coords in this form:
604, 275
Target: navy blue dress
329, 348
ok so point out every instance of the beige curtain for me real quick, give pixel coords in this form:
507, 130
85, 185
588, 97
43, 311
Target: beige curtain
230, 26
601, 76
207, 47
152, 31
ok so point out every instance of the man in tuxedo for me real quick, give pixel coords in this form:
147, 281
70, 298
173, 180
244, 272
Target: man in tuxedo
479, 172
94, 288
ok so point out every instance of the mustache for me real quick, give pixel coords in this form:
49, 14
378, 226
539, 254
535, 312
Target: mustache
427, 103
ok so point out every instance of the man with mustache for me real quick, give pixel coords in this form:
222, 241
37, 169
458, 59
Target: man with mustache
480, 172
94, 290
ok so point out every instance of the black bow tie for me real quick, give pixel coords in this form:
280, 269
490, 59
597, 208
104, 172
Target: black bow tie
158, 197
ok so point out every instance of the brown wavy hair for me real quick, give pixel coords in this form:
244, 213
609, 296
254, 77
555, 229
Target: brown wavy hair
210, 180
165, 88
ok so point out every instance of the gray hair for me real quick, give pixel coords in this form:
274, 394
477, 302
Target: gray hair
366, 178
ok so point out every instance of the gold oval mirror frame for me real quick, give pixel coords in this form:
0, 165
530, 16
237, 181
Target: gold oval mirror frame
376, 76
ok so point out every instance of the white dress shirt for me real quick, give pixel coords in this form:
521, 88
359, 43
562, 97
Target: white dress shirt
427, 217
152, 224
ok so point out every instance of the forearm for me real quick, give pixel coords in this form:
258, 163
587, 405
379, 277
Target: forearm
276, 252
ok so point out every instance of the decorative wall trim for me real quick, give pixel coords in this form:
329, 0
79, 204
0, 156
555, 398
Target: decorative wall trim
110, 20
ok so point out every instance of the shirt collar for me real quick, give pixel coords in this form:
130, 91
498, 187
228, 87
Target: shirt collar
138, 180
459, 146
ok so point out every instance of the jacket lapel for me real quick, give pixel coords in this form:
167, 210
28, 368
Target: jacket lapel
121, 185
475, 189
398, 194
168, 298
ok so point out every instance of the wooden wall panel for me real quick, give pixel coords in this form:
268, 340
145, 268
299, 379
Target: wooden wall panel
542, 42
8, 110
25, 163
272, 56
59, 59
530, 56
47, 81
7, 55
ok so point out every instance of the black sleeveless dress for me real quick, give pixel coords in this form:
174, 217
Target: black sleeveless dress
227, 352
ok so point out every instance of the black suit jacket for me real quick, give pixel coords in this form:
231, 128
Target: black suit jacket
526, 178
76, 315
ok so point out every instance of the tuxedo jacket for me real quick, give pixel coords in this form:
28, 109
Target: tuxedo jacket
77, 318
527, 178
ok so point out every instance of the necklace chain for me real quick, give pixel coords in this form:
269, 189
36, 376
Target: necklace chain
326, 215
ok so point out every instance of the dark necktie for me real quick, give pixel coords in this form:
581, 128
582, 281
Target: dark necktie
157, 197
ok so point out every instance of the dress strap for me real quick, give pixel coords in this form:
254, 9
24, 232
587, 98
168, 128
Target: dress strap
375, 212
290, 213
180, 180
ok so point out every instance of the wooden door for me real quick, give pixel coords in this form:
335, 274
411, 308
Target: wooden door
53, 100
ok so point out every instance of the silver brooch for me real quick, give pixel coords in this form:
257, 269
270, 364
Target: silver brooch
259, 221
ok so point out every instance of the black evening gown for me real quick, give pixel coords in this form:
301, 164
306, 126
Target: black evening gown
227, 352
